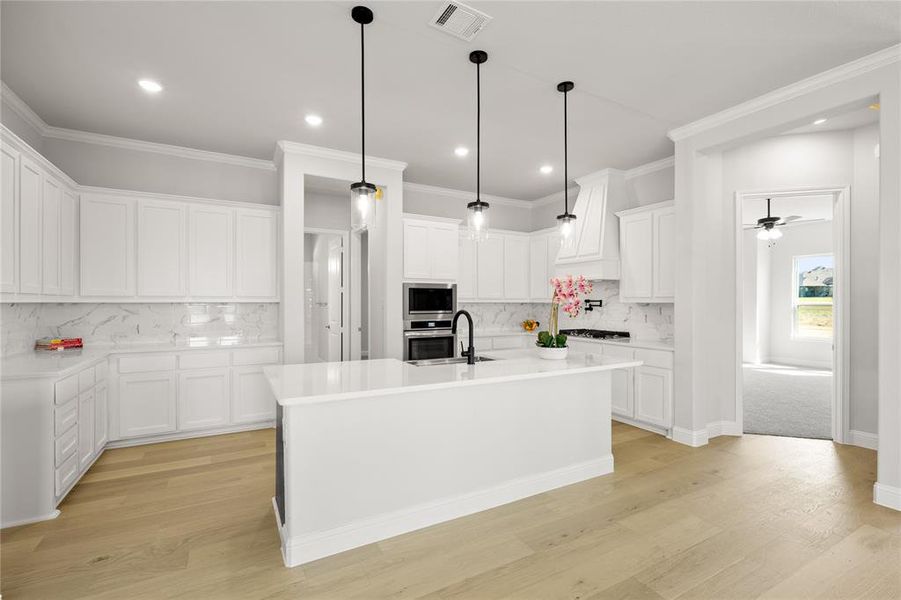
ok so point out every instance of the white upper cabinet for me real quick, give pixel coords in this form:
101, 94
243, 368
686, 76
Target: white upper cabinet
52, 200
257, 254
211, 251
68, 228
30, 211
595, 253
647, 239
9, 219
466, 282
490, 267
431, 249
107, 245
516, 267
543, 248
161, 248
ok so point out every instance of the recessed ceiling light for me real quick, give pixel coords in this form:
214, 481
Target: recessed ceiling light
313, 120
461, 151
545, 169
819, 121
149, 85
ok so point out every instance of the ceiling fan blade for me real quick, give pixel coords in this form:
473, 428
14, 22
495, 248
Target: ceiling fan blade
791, 218
801, 222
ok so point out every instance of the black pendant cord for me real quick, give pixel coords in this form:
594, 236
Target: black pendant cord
363, 97
565, 158
478, 131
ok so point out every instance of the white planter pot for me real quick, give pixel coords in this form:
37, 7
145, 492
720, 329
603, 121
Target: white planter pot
552, 353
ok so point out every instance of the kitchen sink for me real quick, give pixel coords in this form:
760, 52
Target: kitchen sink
446, 361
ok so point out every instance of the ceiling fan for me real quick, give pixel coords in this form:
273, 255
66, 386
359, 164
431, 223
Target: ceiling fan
768, 224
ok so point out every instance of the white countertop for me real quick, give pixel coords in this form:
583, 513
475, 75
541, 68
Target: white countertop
631, 342
62, 363
324, 382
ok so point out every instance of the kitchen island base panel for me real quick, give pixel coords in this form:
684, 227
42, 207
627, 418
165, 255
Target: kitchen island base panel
366, 469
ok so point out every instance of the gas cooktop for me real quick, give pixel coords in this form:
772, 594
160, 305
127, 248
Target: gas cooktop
598, 334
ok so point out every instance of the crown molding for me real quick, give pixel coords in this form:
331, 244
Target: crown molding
48, 131
8, 137
287, 147
855, 68
592, 178
137, 194
434, 190
651, 167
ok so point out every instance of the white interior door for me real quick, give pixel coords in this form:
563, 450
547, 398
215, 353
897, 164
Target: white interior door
335, 299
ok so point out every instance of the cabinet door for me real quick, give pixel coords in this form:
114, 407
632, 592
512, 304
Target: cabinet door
516, 268
51, 200
101, 417
252, 400
68, 227
665, 254
9, 220
653, 395
203, 399
623, 382
490, 271
443, 251
416, 250
146, 403
85, 429
636, 245
256, 254
107, 244
30, 209
161, 248
539, 288
211, 251
466, 279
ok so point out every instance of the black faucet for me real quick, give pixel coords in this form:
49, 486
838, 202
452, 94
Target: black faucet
470, 354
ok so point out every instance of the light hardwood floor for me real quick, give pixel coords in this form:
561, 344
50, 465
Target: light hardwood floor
742, 518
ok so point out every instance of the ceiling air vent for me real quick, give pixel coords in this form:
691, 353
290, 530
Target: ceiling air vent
459, 20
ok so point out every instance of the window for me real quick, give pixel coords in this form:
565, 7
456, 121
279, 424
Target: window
812, 296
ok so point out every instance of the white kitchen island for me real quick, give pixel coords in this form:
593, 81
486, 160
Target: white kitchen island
371, 449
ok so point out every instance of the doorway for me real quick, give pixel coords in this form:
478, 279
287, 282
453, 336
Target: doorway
792, 269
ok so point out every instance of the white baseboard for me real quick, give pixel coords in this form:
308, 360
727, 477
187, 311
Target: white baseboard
640, 425
886, 495
863, 439
718, 428
691, 438
48, 517
308, 547
794, 362
186, 435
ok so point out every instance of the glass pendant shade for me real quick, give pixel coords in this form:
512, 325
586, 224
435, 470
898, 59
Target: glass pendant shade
362, 206
769, 234
566, 229
477, 220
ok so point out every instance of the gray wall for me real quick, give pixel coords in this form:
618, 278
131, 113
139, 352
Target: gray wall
650, 188
326, 210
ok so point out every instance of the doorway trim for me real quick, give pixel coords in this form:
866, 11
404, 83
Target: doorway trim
345, 301
841, 358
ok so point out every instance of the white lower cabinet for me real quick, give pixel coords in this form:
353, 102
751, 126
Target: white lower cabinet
653, 395
623, 381
643, 395
147, 404
101, 417
203, 399
85, 428
252, 400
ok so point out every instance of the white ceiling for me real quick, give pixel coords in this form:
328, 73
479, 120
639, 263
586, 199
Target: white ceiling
240, 75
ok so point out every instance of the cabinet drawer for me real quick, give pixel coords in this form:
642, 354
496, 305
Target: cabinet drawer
655, 358
66, 389
66, 474
66, 445
255, 356
86, 379
202, 360
64, 417
145, 363
101, 371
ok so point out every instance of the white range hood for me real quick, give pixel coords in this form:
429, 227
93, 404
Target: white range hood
595, 253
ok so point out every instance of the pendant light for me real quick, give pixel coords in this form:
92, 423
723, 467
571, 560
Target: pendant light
362, 193
566, 223
477, 218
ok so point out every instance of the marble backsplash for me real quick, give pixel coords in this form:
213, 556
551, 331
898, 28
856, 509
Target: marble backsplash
120, 324
642, 321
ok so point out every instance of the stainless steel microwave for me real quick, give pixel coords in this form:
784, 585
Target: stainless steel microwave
429, 301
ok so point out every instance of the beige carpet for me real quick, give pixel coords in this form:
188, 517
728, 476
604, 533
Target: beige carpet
788, 401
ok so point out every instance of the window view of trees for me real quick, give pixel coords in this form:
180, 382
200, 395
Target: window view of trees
812, 302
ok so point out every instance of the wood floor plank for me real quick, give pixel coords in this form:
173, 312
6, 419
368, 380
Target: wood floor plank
746, 517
